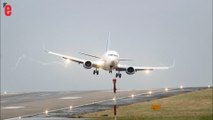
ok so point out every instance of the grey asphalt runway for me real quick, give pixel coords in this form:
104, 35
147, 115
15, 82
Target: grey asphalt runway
33, 105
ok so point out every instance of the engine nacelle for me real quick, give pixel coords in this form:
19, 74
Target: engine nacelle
88, 65
130, 70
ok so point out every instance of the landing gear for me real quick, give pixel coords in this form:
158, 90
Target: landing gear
118, 75
110, 70
95, 72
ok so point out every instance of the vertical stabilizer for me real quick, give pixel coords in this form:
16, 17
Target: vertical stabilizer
108, 41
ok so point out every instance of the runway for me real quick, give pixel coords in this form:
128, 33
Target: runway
69, 104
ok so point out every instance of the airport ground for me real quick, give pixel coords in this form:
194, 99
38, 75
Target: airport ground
186, 103
24, 104
196, 105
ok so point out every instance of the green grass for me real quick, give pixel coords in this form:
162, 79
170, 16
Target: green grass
189, 106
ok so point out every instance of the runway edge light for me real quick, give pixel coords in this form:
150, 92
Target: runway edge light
70, 107
46, 112
132, 95
166, 89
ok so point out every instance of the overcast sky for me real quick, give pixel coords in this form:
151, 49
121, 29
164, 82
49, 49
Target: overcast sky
151, 32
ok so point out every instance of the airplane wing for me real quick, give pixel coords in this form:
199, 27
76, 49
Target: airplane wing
95, 64
66, 57
151, 68
138, 68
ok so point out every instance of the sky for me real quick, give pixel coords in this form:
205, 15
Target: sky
150, 32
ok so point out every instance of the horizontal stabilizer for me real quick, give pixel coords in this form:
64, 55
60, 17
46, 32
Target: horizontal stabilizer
90, 55
125, 59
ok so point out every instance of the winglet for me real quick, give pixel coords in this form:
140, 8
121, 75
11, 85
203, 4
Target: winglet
44, 48
173, 64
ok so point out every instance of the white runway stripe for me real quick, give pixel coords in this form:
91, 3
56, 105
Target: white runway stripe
69, 98
13, 107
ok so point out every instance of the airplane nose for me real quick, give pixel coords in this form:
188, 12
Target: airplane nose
112, 63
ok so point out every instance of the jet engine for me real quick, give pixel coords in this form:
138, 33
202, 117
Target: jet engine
88, 65
130, 70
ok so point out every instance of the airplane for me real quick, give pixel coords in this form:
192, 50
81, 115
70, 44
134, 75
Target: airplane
109, 61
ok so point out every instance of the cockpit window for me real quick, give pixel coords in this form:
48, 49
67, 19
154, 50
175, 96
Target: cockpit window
112, 55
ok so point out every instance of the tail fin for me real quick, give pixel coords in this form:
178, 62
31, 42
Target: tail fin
108, 40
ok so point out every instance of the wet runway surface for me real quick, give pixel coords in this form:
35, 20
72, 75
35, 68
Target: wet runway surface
71, 104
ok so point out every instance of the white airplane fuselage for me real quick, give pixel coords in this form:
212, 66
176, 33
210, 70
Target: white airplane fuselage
110, 60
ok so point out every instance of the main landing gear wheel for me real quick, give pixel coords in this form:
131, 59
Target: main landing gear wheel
118, 75
95, 72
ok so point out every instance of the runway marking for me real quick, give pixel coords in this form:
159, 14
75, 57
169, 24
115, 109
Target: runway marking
3, 101
69, 98
43, 95
13, 107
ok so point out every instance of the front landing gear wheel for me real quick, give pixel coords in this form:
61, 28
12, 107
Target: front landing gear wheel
118, 75
95, 72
